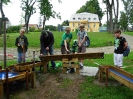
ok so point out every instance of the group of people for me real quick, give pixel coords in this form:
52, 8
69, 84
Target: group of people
47, 42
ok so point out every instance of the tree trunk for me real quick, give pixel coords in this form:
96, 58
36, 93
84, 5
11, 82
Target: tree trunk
44, 20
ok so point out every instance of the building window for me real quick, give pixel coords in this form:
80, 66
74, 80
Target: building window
88, 25
84, 18
94, 25
73, 25
89, 18
79, 18
94, 18
73, 18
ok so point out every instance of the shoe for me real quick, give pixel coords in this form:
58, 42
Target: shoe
81, 66
72, 70
68, 71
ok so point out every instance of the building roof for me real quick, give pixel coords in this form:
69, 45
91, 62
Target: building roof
84, 16
30, 25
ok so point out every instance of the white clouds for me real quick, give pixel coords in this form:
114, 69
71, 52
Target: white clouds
66, 8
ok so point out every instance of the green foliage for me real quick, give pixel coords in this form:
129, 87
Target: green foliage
51, 27
65, 23
92, 6
123, 21
32, 29
13, 29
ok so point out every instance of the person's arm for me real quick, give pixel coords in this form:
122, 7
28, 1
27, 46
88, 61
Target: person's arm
16, 42
26, 43
85, 34
125, 45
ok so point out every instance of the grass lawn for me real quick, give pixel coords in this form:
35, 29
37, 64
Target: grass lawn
129, 33
97, 39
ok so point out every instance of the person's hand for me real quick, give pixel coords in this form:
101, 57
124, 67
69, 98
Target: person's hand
41, 54
18, 44
47, 48
67, 50
79, 45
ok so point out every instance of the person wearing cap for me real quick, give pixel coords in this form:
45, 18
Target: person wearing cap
46, 43
81, 42
22, 45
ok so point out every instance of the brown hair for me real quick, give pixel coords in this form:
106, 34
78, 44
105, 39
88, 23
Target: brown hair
117, 31
81, 26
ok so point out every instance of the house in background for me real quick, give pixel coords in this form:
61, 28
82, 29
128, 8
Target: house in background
90, 20
30, 25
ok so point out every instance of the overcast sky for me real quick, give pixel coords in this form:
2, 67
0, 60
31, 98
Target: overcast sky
66, 8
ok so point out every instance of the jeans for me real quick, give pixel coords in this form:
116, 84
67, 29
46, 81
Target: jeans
51, 52
21, 57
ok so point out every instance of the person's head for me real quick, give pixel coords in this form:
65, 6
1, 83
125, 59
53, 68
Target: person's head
22, 31
44, 33
81, 27
67, 30
117, 33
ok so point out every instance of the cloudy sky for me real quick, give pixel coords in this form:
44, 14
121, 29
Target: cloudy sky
66, 8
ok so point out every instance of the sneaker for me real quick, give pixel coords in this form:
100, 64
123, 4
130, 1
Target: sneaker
72, 70
68, 71
81, 65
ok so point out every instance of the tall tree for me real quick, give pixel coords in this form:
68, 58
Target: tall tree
28, 9
123, 21
92, 6
46, 10
2, 13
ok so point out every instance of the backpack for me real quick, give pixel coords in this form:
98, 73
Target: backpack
87, 42
126, 51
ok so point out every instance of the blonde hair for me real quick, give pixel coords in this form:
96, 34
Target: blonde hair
81, 26
67, 29
22, 30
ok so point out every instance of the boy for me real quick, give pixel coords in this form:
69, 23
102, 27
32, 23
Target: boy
120, 45
22, 46
81, 42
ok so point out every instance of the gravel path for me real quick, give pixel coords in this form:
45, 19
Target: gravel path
106, 50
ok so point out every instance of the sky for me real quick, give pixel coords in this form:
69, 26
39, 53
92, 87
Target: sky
66, 9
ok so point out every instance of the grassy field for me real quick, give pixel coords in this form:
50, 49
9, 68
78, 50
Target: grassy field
129, 33
97, 39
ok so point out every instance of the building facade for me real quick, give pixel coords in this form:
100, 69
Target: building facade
90, 20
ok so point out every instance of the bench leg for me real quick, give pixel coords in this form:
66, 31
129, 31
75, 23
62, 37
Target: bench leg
64, 69
1, 90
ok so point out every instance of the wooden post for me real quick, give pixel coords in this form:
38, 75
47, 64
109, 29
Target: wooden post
100, 74
45, 68
7, 89
27, 81
33, 80
106, 77
1, 90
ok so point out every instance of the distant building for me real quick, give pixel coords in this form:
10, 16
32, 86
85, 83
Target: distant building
90, 20
102, 29
30, 25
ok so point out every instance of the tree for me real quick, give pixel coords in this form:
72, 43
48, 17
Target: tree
128, 7
92, 6
29, 9
65, 23
123, 21
46, 10
22, 19
2, 13
109, 7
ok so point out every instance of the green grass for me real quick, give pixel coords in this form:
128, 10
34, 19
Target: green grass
129, 33
89, 90
97, 39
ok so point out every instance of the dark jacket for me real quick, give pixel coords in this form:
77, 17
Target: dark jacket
46, 41
23, 41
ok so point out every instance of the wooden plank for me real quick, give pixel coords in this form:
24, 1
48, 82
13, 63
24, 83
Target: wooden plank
72, 60
70, 56
71, 66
